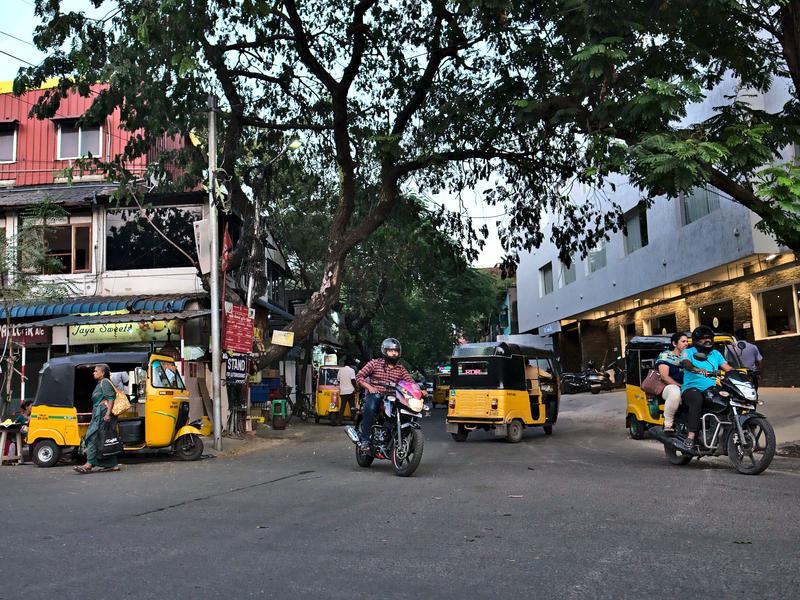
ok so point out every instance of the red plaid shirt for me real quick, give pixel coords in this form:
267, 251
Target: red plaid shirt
379, 372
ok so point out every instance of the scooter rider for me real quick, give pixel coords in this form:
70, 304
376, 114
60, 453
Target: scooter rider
699, 375
373, 376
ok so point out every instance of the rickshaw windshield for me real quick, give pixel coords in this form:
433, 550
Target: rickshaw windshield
165, 375
329, 377
442, 380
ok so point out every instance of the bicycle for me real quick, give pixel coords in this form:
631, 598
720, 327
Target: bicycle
300, 406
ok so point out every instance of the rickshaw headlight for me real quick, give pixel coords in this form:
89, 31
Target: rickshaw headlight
452, 403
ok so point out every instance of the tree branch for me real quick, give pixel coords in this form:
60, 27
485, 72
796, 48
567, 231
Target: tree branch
358, 31
260, 123
303, 49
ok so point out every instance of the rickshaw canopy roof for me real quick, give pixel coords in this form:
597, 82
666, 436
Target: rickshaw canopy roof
57, 381
503, 349
656, 342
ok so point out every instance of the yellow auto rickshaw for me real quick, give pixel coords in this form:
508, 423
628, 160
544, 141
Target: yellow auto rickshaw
645, 411
501, 387
328, 398
441, 386
158, 417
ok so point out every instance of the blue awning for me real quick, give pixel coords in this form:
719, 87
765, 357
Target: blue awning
274, 309
74, 306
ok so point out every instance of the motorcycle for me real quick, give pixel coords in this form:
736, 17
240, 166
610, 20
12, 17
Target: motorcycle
597, 380
574, 383
396, 434
730, 426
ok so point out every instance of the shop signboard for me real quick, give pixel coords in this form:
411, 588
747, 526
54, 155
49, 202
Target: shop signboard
26, 335
112, 333
239, 329
236, 368
283, 338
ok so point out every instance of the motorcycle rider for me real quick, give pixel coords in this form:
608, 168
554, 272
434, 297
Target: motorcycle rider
699, 375
373, 377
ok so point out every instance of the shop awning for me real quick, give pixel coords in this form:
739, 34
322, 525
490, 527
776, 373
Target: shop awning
126, 318
274, 309
76, 306
64, 195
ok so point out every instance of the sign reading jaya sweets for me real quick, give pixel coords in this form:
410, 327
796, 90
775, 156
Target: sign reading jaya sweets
109, 333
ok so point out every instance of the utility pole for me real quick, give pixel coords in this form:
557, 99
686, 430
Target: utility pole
216, 351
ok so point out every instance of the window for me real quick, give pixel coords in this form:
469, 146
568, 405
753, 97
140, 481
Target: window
597, 257
698, 203
133, 243
778, 310
717, 316
68, 249
546, 277
8, 145
165, 375
568, 273
630, 330
636, 227
75, 142
665, 324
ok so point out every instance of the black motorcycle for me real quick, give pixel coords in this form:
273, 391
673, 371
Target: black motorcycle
574, 383
730, 426
396, 434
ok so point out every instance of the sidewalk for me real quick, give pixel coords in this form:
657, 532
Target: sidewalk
264, 437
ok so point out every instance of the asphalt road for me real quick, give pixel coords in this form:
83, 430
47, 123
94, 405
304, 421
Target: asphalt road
585, 513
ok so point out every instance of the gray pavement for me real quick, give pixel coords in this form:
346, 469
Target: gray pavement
585, 513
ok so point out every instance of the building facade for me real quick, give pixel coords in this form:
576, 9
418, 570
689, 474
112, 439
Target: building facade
695, 260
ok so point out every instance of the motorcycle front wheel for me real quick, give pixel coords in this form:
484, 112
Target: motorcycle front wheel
755, 453
406, 460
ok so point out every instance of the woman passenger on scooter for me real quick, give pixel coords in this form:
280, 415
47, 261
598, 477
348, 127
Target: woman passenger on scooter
699, 375
671, 370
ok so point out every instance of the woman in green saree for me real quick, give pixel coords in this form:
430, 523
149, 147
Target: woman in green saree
102, 403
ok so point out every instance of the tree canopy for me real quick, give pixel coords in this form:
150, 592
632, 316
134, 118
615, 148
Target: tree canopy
400, 95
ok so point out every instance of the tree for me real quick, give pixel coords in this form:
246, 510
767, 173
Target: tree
617, 94
387, 94
23, 258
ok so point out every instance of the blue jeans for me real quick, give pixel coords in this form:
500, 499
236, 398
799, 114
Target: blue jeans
368, 410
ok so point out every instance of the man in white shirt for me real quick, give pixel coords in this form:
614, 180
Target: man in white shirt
347, 388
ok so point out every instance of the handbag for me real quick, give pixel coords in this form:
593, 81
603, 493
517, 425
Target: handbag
108, 441
653, 384
121, 403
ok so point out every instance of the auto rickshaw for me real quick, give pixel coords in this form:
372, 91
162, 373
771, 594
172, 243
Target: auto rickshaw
441, 387
644, 411
158, 417
328, 400
501, 387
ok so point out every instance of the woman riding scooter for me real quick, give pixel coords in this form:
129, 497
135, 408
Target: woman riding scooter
701, 363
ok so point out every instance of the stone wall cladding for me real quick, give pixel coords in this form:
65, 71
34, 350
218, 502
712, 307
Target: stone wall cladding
781, 355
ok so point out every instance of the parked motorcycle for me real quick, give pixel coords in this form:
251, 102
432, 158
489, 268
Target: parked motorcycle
730, 426
574, 383
396, 434
597, 379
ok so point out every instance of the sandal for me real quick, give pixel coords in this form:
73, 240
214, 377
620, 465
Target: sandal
109, 469
84, 469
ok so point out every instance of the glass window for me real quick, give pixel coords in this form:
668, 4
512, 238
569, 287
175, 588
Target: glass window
329, 377
630, 330
597, 258
82, 249
636, 227
568, 273
665, 324
546, 275
75, 142
717, 316
165, 375
133, 243
698, 203
778, 307
473, 368
59, 249
8, 143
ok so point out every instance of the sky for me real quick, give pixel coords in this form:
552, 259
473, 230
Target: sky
17, 24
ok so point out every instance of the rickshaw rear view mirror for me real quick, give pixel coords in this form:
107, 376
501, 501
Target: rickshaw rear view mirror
140, 375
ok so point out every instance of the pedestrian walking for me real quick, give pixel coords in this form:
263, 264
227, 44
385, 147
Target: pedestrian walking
749, 355
102, 403
347, 389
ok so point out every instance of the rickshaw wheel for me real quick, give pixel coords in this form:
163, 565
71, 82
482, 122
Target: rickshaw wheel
636, 428
461, 435
46, 453
188, 451
548, 430
514, 433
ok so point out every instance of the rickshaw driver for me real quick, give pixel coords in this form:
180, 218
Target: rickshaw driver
697, 378
373, 377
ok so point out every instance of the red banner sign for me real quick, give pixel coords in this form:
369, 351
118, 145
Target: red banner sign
27, 335
238, 330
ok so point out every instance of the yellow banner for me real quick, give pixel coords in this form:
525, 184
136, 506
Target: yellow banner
109, 333
283, 338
